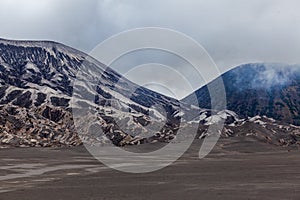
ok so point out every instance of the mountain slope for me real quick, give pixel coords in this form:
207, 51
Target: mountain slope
37, 85
42, 84
260, 89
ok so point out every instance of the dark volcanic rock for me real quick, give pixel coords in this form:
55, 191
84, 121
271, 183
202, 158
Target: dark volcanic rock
260, 89
53, 114
23, 100
36, 88
56, 101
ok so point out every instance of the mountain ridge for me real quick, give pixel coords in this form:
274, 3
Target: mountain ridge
37, 85
37, 81
260, 89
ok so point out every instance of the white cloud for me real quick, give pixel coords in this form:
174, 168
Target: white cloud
232, 31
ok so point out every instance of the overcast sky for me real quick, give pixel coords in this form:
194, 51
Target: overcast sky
232, 31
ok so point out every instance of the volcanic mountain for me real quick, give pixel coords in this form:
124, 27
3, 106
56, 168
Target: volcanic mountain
261, 89
46, 89
36, 87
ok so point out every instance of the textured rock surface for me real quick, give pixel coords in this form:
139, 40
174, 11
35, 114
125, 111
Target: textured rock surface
36, 87
261, 89
37, 99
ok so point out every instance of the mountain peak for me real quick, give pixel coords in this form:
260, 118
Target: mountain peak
37, 83
270, 89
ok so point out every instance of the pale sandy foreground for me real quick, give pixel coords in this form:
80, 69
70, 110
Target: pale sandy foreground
236, 169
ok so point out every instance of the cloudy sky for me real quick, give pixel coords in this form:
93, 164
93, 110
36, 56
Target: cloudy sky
232, 31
